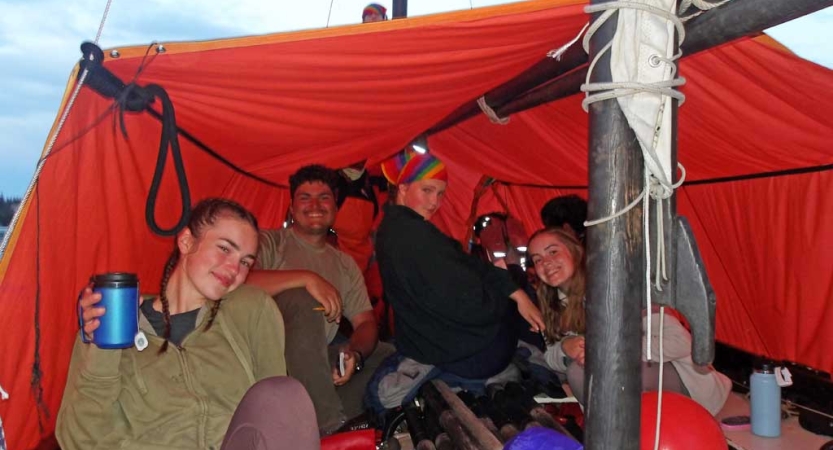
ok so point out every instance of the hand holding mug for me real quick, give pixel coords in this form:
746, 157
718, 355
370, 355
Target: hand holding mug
108, 311
89, 313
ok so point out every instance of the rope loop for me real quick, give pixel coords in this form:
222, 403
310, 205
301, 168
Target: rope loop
490, 113
657, 186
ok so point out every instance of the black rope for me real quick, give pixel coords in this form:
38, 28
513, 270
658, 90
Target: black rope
83, 132
169, 139
755, 176
213, 153
36, 380
751, 176
134, 98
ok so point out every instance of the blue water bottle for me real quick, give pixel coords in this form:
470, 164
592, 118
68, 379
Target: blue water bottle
119, 326
766, 401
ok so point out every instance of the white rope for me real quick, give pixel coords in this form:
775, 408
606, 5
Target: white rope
646, 204
701, 5
103, 20
52, 141
661, 373
556, 54
656, 184
490, 113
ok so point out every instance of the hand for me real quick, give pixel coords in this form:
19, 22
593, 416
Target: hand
574, 348
531, 314
350, 360
327, 295
90, 314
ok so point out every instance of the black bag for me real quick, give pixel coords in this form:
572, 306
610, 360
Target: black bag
815, 422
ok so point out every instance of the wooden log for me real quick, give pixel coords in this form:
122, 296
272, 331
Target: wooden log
615, 270
432, 425
484, 438
454, 426
417, 430
527, 401
550, 80
546, 69
506, 428
448, 420
477, 408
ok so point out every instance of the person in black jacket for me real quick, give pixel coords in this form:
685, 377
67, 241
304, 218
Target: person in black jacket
453, 311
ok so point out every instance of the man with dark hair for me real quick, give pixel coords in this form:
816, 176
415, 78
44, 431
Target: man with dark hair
568, 212
315, 352
314, 173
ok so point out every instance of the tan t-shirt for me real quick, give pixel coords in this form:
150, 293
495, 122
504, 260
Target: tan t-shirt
283, 250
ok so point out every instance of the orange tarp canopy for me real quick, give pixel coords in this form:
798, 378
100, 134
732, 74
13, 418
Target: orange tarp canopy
754, 134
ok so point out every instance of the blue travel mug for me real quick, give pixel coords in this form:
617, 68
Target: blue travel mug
765, 402
120, 298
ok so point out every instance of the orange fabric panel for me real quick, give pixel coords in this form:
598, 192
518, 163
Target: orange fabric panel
271, 108
767, 248
272, 104
447, 18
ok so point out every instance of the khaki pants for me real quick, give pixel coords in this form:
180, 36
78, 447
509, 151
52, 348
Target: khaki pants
310, 359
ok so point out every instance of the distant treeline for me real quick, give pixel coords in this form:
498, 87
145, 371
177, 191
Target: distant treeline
7, 207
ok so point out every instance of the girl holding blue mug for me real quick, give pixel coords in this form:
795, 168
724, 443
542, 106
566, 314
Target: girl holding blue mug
213, 372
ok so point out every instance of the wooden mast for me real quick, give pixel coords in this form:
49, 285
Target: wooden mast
400, 9
615, 269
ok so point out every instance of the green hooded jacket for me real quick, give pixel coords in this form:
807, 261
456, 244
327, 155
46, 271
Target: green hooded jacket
181, 399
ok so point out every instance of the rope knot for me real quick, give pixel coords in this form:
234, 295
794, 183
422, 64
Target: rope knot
659, 191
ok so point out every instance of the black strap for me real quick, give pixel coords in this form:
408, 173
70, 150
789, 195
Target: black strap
169, 138
134, 98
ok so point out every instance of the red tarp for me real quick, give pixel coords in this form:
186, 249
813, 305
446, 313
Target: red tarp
270, 104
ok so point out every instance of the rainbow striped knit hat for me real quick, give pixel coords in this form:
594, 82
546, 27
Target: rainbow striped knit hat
375, 8
409, 166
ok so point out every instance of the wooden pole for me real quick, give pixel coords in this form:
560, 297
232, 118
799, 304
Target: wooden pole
400, 9
484, 438
448, 419
546, 69
733, 20
615, 270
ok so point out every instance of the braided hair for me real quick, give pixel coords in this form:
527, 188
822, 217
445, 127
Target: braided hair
205, 213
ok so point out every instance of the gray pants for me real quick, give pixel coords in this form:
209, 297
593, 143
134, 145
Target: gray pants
650, 379
310, 360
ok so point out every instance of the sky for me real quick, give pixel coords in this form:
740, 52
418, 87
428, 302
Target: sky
40, 39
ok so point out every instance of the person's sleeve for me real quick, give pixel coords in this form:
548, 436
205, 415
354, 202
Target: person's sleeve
460, 285
269, 340
90, 416
497, 279
355, 298
268, 256
676, 342
556, 358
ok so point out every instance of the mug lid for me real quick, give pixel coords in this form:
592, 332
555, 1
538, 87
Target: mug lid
765, 367
115, 277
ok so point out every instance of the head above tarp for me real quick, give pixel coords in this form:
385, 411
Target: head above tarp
374, 10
